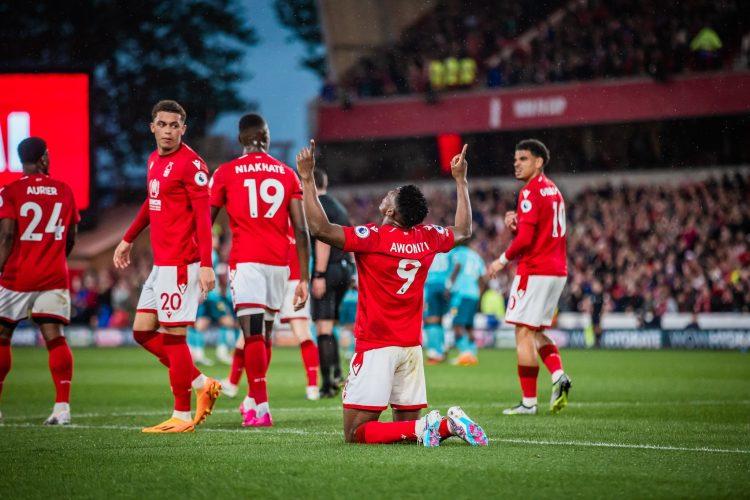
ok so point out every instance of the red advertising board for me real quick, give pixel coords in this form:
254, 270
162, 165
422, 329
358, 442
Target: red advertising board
55, 107
537, 107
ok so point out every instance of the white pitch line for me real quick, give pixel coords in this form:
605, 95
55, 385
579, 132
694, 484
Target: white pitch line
306, 409
594, 444
305, 432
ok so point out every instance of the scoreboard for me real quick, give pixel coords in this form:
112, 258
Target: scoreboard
55, 107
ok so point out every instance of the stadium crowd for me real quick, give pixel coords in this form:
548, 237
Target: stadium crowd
650, 249
462, 45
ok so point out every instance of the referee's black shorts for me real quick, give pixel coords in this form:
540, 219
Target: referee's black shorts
337, 283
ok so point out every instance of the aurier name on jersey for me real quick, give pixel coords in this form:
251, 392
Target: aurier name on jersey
392, 265
44, 210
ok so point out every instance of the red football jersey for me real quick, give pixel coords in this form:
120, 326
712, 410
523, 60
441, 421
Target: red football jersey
294, 271
257, 190
175, 181
392, 266
541, 205
44, 209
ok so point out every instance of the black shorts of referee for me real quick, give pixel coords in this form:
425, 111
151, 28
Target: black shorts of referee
338, 277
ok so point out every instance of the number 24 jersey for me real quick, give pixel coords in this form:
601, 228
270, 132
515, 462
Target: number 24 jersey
257, 190
44, 209
392, 265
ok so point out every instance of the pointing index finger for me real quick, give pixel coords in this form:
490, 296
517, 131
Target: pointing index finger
463, 153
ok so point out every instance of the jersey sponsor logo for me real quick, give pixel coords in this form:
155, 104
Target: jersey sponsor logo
548, 191
525, 206
47, 190
153, 188
419, 247
362, 231
168, 169
201, 178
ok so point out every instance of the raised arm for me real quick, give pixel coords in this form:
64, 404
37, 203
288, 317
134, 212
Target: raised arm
7, 235
462, 226
320, 226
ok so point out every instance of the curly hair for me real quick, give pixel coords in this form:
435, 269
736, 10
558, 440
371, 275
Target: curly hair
411, 205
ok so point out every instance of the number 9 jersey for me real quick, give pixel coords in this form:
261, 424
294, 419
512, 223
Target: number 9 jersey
44, 210
257, 190
392, 265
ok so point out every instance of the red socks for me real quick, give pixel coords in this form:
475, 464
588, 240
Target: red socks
153, 342
385, 432
180, 369
256, 366
269, 343
551, 357
5, 360
61, 368
309, 352
238, 366
527, 375
445, 430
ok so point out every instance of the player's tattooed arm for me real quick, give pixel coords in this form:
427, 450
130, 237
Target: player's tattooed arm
302, 242
7, 235
462, 226
320, 226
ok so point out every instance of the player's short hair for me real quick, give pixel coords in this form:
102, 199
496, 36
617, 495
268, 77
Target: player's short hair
321, 178
411, 205
248, 126
168, 106
251, 120
536, 147
31, 149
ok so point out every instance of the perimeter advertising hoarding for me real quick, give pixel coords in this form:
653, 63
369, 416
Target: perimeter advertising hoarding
55, 107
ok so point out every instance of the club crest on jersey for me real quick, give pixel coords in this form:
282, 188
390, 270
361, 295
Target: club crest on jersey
153, 188
362, 231
201, 178
168, 169
525, 206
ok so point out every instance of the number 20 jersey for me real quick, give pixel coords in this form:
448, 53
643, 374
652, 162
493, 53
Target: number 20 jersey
392, 266
257, 190
44, 209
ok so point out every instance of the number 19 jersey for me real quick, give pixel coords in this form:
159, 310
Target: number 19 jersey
392, 265
44, 209
257, 190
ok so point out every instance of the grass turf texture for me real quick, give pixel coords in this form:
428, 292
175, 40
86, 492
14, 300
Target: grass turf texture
640, 424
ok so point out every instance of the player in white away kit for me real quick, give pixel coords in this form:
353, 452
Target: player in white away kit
540, 245
177, 210
38, 220
261, 196
392, 262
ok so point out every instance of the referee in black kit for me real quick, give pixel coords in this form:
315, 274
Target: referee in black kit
332, 273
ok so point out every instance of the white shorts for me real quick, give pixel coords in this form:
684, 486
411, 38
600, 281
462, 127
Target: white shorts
287, 308
172, 293
389, 375
258, 286
533, 300
47, 304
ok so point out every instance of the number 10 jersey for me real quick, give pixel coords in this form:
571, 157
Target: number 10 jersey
43, 209
392, 265
257, 190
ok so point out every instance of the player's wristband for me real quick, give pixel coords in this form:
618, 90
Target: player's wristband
503, 259
319, 274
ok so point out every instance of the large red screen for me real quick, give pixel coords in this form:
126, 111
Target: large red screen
54, 107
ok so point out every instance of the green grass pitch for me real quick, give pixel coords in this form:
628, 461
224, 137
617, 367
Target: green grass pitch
640, 424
